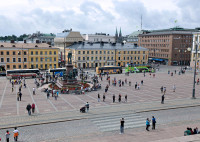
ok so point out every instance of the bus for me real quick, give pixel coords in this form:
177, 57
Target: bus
109, 69
26, 73
139, 68
60, 71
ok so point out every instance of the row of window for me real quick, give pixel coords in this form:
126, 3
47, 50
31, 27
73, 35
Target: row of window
108, 58
158, 50
156, 40
41, 52
110, 52
13, 53
43, 59
158, 55
45, 66
14, 60
32, 66
15, 67
155, 45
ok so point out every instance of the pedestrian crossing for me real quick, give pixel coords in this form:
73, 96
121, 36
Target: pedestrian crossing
112, 123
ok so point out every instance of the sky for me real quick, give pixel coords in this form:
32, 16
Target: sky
94, 16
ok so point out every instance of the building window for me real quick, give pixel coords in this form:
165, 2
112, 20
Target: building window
7, 53
143, 52
127, 58
138, 52
79, 65
118, 58
54, 52
135, 58
83, 52
100, 52
104, 52
36, 59
88, 58
13, 52
99, 58
138, 57
92, 58
45, 52
31, 59
41, 66
19, 66
31, 52
104, 58
8, 59
45, 66
46, 59
50, 53
19, 59
135, 52
19, 52
96, 52
8, 66
108, 58
41, 59
124, 52
25, 66
111, 58
79, 52
36, 65
83, 58
92, 65
54, 65
14, 66
92, 52
14, 60
124, 58
25, 59
108, 52
2, 59
41, 53
54, 59
96, 58
79, 58
1, 52
50, 59
24, 52
88, 52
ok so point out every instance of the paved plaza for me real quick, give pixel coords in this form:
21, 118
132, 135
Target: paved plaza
102, 121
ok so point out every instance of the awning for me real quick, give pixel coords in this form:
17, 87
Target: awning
155, 59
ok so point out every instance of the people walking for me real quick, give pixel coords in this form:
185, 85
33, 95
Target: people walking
28, 108
98, 97
142, 82
7, 136
153, 123
164, 90
20, 96
161, 89
119, 99
12, 89
48, 94
33, 91
147, 124
136, 85
162, 99
174, 88
16, 134
104, 97
87, 106
122, 126
126, 98
33, 108
113, 98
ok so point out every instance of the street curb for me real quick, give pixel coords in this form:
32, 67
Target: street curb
93, 116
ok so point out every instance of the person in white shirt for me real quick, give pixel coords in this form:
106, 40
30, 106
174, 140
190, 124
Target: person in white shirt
33, 91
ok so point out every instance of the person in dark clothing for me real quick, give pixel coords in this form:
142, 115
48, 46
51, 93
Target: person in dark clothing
119, 99
20, 96
28, 108
153, 123
113, 98
122, 126
126, 98
136, 85
104, 97
162, 99
48, 94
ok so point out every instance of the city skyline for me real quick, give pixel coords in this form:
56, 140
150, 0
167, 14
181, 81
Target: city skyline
89, 17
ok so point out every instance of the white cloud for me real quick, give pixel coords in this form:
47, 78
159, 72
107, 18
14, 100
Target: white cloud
87, 16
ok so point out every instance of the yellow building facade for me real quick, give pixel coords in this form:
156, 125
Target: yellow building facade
28, 55
98, 55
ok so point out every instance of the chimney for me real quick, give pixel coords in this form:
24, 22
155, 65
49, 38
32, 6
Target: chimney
12, 41
24, 41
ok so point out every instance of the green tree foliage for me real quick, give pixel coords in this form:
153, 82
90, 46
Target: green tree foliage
13, 37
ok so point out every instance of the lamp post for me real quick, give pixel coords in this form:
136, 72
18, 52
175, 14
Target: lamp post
193, 91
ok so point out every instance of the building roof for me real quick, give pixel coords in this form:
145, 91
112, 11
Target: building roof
106, 46
62, 35
135, 34
25, 45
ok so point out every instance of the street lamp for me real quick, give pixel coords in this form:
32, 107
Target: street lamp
193, 90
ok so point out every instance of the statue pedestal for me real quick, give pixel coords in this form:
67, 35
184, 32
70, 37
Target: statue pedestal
69, 67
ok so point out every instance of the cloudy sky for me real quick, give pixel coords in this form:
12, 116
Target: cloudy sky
91, 16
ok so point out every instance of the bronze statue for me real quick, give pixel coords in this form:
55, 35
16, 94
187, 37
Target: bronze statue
69, 57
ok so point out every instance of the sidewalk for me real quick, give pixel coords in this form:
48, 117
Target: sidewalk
36, 119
